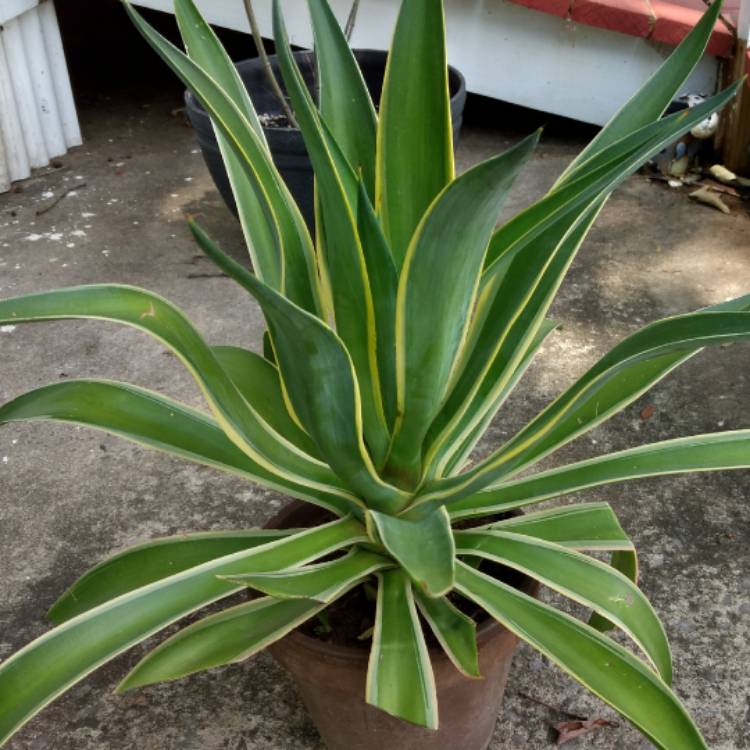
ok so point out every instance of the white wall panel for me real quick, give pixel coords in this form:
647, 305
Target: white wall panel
506, 51
37, 113
14, 155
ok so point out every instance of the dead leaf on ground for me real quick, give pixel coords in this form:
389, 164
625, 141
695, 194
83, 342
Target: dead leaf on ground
647, 412
710, 198
569, 730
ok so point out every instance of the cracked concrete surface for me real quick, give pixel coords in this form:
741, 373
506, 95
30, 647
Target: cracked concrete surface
71, 496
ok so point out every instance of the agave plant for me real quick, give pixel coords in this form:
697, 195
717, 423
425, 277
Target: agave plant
393, 339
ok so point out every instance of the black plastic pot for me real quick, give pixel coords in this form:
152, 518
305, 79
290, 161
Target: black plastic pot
286, 144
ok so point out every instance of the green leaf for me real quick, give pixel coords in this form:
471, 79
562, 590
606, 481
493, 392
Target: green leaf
259, 383
528, 258
337, 193
620, 377
399, 676
227, 637
299, 270
455, 631
204, 47
157, 422
38, 673
318, 377
165, 322
383, 280
581, 578
651, 100
598, 663
258, 225
345, 103
146, 563
604, 172
481, 411
414, 140
332, 169
586, 526
506, 328
712, 452
423, 547
527, 261
443, 263
627, 563
321, 582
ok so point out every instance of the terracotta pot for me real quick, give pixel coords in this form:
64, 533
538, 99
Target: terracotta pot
331, 680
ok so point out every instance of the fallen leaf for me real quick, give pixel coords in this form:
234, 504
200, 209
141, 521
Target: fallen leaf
722, 174
710, 198
647, 412
569, 730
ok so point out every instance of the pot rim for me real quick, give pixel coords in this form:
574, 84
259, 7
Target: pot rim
193, 104
485, 631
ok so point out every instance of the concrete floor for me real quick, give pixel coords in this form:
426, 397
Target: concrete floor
71, 496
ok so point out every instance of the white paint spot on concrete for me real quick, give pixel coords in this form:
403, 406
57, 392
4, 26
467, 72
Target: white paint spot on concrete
56, 236
48, 194
87, 214
33, 237
78, 233
7, 329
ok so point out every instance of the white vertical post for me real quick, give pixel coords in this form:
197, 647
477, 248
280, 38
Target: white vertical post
61, 79
11, 133
743, 23
37, 111
42, 82
23, 92
4, 172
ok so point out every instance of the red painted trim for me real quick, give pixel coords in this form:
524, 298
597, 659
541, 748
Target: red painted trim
551, 7
673, 22
666, 21
631, 17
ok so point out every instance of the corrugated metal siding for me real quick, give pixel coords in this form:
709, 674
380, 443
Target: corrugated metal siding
38, 119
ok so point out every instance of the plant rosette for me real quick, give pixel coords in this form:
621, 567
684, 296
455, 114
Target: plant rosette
370, 397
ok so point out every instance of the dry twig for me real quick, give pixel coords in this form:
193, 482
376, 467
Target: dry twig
57, 199
265, 62
351, 20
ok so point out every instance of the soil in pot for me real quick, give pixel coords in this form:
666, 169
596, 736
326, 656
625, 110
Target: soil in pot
286, 144
328, 660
